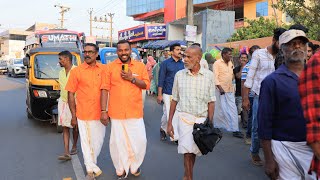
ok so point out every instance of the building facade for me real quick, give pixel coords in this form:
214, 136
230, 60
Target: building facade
12, 42
165, 11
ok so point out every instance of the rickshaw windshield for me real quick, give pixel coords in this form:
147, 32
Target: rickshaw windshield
46, 66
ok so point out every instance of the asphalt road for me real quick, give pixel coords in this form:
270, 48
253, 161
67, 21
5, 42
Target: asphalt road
29, 148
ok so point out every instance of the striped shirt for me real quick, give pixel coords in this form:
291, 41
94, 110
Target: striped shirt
244, 71
194, 92
262, 64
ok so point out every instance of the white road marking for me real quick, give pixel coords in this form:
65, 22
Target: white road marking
77, 168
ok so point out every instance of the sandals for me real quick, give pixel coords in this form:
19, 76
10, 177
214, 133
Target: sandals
137, 173
123, 176
163, 135
65, 157
73, 151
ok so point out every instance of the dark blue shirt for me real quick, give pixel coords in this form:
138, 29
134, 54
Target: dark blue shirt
280, 114
168, 70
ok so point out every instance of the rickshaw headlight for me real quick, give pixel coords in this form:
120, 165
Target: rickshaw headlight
40, 94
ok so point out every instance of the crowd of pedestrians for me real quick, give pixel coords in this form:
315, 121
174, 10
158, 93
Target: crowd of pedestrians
273, 93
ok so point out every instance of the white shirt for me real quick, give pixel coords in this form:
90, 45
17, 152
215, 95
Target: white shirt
194, 92
262, 64
204, 64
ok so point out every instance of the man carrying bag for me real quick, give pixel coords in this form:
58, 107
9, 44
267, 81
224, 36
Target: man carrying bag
193, 100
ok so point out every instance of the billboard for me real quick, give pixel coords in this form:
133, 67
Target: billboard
133, 34
156, 31
144, 32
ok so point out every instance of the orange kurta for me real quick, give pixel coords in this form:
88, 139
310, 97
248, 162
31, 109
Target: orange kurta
86, 81
125, 98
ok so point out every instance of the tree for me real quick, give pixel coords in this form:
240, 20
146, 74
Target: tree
256, 28
304, 12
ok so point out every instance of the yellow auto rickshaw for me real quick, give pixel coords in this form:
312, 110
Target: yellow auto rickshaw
43, 88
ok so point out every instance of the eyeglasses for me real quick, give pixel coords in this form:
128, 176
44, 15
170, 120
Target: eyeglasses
89, 52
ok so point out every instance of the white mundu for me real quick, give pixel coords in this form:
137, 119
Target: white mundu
165, 117
128, 144
92, 134
294, 159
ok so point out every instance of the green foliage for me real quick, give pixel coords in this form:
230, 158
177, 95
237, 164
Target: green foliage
305, 12
256, 28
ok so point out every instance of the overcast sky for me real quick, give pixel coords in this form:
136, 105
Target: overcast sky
23, 14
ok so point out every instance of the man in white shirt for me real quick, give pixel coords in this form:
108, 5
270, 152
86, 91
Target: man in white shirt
193, 101
262, 64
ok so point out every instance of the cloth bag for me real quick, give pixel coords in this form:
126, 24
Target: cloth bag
205, 136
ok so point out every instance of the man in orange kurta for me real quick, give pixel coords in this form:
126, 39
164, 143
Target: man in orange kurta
86, 80
128, 136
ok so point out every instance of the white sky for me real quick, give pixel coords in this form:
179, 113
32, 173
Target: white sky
24, 13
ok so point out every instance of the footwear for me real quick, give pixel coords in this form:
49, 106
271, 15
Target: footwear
237, 134
163, 135
247, 141
176, 142
123, 176
97, 174
90, 176
73, 151
256, 160
137, 173
65, 157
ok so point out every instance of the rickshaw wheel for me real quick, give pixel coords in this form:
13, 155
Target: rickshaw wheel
29, 115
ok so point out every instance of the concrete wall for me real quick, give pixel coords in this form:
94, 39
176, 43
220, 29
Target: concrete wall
219, 26
175, 32
12, 49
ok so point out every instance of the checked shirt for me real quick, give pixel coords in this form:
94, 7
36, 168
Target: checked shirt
309, 88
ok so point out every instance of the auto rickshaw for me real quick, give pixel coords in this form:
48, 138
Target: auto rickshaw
43, 90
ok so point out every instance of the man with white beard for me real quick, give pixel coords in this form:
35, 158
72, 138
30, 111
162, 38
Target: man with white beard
282, 126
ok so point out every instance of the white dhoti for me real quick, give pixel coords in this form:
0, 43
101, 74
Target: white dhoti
294, 159
64, 114
165, 117
143, 96
128, 144
185, 128
92, 134
225, 112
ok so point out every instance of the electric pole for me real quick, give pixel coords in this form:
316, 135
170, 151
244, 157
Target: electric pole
90, 12
189, 16
190, 12
105, 20
63, 10
111, 30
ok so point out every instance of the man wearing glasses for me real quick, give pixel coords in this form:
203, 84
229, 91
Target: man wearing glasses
85, 81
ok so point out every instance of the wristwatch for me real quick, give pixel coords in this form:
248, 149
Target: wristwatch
133, 81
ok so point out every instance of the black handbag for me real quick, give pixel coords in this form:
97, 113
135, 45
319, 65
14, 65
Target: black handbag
205, 136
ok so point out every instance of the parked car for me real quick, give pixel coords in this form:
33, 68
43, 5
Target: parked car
3, 66
16, 67
109, 54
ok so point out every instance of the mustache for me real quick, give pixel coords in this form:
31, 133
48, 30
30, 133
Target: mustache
297, 51
87, 57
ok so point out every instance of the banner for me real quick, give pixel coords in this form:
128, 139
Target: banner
133, 34
143, 32
156, 32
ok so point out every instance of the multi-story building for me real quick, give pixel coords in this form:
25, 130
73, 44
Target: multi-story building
165, 11
12, 42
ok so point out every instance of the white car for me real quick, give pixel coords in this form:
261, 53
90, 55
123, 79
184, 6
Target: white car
16, 67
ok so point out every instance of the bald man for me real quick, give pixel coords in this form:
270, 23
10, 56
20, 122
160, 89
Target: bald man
193, 101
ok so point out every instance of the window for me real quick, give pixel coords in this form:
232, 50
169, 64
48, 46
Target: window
262, 9
17, 37
47, 66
